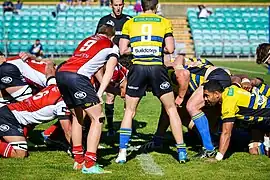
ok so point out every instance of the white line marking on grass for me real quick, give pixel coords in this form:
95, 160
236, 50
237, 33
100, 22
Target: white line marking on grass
149, 166
242, 70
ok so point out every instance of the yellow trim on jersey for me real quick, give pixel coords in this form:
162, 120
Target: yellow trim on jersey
151, 43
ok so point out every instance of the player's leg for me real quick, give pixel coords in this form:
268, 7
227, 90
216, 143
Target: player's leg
66, 126
13, 147
194, 105
136, 86
109, 112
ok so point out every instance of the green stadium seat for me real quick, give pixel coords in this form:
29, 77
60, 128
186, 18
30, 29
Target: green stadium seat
34, 36
70, 46
197, 37
70, 36
51, 30
52, 36
236, 48
79, 14
88, 13
43, 36
60, 47
61, 36
25, 46
14, 47
80, 36
209, 48
25, 36
218, 48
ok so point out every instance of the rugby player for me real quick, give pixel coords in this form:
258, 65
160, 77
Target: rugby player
146, 34
237, 104
73, 79
263, 55
194, 102
116, 19
13, 86
42, 107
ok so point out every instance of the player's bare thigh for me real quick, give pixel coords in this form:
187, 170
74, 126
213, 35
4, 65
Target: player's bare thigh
16, 153
196, 101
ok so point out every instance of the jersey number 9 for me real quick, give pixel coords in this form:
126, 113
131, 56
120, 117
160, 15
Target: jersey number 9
146, 32
87, 45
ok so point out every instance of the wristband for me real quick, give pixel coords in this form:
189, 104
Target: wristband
219, 156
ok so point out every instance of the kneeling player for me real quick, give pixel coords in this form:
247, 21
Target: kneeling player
237, 104
42, 107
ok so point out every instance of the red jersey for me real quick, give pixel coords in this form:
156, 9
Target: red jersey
44, 106
32, 71
119, 75
90, 55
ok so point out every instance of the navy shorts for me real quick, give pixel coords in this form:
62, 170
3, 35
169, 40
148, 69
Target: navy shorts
141, 77
9, 126
221, 76
76, 89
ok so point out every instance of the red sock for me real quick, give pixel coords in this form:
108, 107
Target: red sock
90, 159
78, 154
50, 130
5, 149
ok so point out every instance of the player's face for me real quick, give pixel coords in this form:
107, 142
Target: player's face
117, 7
2, 59
211, 98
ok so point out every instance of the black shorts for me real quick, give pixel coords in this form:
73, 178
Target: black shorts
258, 130
9, 126
221, 76
76, 89
141, 77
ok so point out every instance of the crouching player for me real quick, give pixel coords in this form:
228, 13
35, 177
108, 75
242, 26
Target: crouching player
42, 107
73, 80
237, 104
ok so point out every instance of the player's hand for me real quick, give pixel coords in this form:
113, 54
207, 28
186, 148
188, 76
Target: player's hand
247, 86
24, 56
50, 69
178, 101
100, 97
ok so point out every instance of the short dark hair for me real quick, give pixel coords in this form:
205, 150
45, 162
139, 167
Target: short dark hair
262, 52
149, 5
37, 39
1, 53
212, 86
107, 30
112, 1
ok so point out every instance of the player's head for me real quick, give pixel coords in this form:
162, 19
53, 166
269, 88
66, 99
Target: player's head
107, 30
212, 92
117, 7
263, 53
150, 5
2, 57
37, 41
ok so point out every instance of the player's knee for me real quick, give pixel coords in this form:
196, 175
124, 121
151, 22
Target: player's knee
19, 149
18, 154
191, 107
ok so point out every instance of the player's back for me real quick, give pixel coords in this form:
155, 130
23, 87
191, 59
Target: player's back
38, 108
33, 71
247, 106
146, 33
89, 56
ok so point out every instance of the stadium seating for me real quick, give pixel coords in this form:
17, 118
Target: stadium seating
59, 35
229, 31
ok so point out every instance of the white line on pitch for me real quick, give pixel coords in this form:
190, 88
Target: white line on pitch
242, 70
149, 166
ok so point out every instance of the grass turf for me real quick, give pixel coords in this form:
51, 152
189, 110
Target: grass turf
45, 164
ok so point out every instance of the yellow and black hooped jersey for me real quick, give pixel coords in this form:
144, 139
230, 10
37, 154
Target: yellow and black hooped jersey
238, 103
203, 61
146, 33
264, 89
196, 78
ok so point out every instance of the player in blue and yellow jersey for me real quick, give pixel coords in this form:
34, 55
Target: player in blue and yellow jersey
147, 36
194, 102
237, 104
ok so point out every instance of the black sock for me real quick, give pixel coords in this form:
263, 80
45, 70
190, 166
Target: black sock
109, 111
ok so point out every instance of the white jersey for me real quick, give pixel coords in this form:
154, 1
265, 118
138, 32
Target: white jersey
42, 107
32, 71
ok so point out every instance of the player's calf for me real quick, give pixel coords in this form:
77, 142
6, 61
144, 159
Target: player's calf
14, 149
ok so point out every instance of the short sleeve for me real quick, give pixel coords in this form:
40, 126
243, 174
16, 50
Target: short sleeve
61, 110
125, 30
168, 28
114, 52
229, 108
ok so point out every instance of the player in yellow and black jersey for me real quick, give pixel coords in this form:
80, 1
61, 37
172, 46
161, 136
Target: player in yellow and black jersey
237, 104
147, 36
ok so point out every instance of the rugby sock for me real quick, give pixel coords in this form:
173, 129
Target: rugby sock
78, 154
50, 130
201, 123
5, 149
181, 148
125, 134
90, 159
109, 111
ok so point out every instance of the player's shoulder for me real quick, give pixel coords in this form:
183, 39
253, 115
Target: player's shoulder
127, 17
8, 67
106, 17
232, 91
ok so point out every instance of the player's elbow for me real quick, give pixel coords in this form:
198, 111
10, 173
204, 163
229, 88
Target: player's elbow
182, 74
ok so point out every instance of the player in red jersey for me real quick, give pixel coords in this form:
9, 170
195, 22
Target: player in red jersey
73, 79
42, 107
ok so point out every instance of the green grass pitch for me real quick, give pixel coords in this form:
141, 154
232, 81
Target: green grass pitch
44, 164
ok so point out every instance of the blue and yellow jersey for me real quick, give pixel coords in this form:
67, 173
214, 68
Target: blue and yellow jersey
146, 33
203, 61
238, 103
264, 89
196, 78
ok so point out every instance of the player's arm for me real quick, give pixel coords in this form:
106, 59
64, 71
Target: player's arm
225, 138
125, 40
99, 74
168, 38
110, 66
